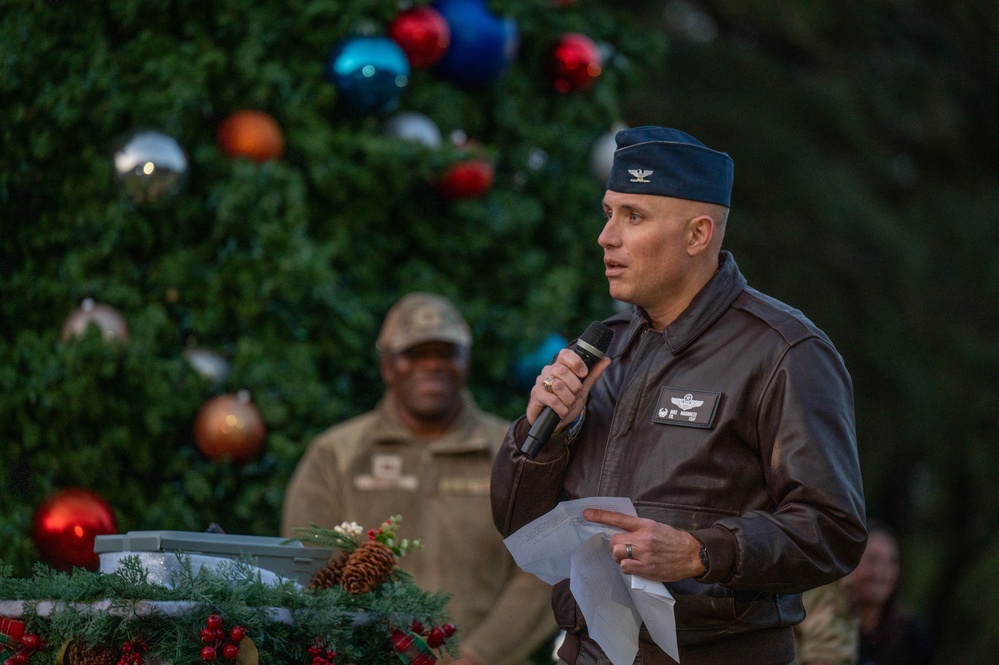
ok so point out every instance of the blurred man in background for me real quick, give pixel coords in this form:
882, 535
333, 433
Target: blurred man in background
425, 453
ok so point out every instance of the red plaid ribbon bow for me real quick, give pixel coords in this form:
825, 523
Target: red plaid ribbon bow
11, 631
15, 644
411, 648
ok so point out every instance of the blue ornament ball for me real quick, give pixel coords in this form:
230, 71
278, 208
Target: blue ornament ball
370, 73
527, 367
482, 44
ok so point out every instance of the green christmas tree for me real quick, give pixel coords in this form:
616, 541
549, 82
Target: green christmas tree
281, 269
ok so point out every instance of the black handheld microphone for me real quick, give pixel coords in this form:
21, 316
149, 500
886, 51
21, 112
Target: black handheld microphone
591, 346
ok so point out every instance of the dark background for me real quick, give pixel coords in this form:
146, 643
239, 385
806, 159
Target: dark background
865, 144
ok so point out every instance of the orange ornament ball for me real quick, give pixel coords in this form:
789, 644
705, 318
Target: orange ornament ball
252, 134
229, 426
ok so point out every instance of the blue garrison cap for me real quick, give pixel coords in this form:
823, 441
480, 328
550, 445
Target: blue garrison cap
668, 162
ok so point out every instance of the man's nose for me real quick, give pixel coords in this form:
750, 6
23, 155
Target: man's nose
608, 235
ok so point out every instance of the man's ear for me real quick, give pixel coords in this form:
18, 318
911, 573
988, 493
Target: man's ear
700, 231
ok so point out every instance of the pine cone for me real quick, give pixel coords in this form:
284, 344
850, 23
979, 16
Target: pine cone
79, 654
367, 567
329, 575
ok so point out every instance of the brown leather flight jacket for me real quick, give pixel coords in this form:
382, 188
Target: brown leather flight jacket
736, 423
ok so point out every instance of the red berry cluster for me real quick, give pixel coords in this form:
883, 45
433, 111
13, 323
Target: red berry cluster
29, 644
436, 635
214, 636
320, 654
133, 652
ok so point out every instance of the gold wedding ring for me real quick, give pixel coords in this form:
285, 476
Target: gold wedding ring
547, 383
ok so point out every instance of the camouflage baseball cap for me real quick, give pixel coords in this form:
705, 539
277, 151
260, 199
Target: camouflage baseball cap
422, 317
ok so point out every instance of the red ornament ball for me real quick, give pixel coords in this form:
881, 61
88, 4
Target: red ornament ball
466, 180
108, 320
65, 524
469, 178
252, 134
422, 33
230, 651
208, 654
575, 63
229, 426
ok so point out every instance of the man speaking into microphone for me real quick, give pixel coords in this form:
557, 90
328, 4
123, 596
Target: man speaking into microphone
725, 415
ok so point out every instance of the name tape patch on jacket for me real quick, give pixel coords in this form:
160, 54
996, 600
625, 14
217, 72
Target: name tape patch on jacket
386, 475
690, 408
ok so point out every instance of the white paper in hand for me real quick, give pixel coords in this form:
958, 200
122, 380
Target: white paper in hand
561, 544
600, 590
543, 547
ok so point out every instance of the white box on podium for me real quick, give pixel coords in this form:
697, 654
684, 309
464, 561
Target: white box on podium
157, 551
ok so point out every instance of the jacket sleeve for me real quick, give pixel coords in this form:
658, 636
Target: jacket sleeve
311, 496
815, 532
521, 620
521, 488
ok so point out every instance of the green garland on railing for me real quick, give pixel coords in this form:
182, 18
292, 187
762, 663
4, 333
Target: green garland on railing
284, 622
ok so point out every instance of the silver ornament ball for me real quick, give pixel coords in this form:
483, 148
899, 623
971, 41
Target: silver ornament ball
150, 166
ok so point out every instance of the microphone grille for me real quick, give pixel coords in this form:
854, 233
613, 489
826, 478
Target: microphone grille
598, 336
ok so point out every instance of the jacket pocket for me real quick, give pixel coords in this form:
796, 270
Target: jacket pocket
711, 611
567, 614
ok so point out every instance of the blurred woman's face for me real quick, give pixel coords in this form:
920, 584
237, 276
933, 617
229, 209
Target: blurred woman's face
875, 577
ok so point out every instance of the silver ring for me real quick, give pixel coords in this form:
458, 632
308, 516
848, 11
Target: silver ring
628, 553
547, 383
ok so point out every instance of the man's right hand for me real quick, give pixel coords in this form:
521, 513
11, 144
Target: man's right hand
570, 384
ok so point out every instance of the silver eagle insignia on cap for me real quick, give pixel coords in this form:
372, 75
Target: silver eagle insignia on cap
640, 174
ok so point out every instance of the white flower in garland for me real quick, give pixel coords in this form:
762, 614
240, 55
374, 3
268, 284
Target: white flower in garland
349, 529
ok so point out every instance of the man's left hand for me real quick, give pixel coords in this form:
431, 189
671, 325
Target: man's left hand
658, 551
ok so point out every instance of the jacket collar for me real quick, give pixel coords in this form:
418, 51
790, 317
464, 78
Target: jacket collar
707, 307
464, 435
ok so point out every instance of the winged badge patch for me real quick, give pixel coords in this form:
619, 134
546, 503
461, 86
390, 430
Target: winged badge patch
687, 402
640, 175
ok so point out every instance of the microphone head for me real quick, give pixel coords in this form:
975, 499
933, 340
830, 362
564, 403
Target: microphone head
598, 336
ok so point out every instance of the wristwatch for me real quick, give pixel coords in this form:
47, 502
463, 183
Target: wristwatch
704, 559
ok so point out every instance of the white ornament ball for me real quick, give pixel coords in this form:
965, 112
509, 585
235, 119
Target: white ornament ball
413, 126
208, 364
602, 153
